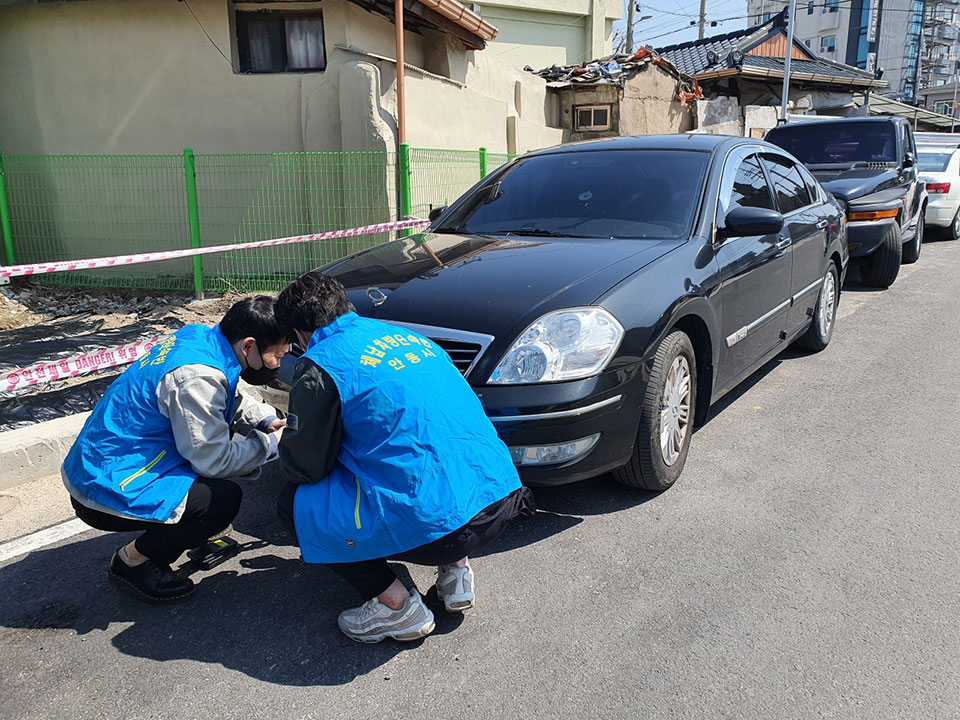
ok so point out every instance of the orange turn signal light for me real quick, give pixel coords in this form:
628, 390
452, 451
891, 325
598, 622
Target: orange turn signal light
872, 215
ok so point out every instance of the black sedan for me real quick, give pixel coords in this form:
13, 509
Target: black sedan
600, 296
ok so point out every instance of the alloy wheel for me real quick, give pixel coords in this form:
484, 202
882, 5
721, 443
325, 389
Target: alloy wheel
828, 301
675, 410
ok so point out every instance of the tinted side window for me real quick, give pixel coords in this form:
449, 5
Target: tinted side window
811, 183
789, 187
750, 187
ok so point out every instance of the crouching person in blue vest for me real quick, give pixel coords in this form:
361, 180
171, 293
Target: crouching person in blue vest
157, 450
392, 457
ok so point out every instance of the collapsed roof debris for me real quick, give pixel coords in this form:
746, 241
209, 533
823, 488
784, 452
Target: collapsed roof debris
616, 70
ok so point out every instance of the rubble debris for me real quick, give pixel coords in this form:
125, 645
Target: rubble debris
616, 70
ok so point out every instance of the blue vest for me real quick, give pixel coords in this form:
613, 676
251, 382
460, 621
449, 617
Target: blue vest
125, 457
418, 456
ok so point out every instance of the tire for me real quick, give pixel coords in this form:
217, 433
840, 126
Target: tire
651, 467
911, 251
882, 267
818, 335
953, 232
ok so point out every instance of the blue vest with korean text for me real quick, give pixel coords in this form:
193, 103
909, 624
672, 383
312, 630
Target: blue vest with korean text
125, 457
418, 456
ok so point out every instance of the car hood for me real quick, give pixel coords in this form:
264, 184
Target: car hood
855, 183
485, 283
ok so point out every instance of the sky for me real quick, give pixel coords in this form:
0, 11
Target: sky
671, 19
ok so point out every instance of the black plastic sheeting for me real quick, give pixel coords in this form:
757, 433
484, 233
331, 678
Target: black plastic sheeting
49, 342
24, 410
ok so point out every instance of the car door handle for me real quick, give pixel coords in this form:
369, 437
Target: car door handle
782, 245
822, 224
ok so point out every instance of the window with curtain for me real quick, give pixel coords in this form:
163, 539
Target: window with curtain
273, 41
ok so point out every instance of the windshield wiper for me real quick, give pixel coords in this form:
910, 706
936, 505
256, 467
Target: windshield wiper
533, 232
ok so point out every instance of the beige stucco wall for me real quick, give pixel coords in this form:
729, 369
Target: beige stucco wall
140, 77
114, 76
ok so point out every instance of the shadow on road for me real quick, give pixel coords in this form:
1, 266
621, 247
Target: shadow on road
275, 620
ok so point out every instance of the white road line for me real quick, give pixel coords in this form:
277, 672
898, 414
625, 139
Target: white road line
42, 538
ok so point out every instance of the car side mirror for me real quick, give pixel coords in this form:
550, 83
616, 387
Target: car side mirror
909, 161
437, 212
742, 221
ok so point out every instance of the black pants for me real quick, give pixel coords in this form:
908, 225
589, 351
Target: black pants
211, 506
372, 577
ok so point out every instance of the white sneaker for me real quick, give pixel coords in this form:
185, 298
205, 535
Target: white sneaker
455, 588
373, 621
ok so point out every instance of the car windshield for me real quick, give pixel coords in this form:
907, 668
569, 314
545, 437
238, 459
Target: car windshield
589, 193
933, 162
830, 143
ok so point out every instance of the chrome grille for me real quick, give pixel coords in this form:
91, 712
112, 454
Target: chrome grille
462, 353
463, 347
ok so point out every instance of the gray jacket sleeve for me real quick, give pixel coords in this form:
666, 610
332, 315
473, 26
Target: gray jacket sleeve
252, 413
194, 398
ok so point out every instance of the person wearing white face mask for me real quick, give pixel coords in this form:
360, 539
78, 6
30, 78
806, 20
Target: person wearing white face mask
157, 452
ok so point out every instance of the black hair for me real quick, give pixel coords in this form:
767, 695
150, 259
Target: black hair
253, 317
310, 302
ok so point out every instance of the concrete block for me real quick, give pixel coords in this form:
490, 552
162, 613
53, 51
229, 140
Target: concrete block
37, 451
719, 111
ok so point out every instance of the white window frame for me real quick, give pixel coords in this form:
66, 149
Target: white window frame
577, 127
825, 49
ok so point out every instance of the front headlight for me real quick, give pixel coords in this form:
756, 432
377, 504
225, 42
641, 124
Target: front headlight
562, 345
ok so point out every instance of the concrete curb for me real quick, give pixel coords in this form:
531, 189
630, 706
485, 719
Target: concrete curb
37, 451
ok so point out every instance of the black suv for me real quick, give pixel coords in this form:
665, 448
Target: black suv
870, 165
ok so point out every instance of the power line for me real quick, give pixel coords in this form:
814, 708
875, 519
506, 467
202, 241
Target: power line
206, 33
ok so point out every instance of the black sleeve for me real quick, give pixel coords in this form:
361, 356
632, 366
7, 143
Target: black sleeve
309, 451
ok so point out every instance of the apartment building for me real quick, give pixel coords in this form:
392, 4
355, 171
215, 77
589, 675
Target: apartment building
899, 37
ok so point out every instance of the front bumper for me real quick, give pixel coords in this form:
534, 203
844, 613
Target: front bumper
865, 236
535, 415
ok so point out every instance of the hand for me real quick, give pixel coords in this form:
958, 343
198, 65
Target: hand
278, 433
277, 425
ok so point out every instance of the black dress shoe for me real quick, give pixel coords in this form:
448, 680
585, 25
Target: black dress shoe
149, 581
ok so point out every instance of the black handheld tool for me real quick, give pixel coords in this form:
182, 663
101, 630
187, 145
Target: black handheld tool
211, 554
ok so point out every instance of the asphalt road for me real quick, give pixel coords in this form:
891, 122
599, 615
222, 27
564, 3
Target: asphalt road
806, 565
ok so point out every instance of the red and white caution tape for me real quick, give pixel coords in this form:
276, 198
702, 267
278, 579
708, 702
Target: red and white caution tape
45, 372
70, 265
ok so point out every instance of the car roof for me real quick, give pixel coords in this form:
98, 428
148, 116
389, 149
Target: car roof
677, 141
823, 119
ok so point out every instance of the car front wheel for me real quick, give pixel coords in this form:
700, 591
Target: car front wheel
666, 417
882, 267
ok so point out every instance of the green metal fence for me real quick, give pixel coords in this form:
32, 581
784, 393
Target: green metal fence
62, 207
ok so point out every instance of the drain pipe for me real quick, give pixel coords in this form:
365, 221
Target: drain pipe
401, 94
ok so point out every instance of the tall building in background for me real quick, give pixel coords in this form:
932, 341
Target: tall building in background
940, 56
898, 36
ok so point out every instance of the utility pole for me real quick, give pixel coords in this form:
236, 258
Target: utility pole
703, 17
791, 17
631, 7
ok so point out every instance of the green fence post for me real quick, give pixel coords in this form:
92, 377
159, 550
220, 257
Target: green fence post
193, 213
5, 217
483, 163
406, 197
